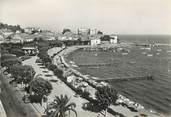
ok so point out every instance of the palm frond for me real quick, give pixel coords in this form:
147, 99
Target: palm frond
73, 110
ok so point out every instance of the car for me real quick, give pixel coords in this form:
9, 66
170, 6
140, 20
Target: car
76, 95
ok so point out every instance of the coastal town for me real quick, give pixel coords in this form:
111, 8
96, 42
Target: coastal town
37, 80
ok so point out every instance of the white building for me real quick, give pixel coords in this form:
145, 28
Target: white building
84, 31
93, 31
1, 39
113, 39
95, 41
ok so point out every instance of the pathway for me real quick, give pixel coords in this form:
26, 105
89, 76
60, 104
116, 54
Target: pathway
61, 88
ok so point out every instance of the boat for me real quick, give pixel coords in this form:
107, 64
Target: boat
149, 55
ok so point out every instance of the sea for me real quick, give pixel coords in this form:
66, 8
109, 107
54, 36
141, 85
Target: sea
134, 61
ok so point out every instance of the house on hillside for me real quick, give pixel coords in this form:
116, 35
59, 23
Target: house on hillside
48, 36
95, 39
16, 38
1, 39
113, 39
84, 39
109, 39
30, 30
6, 32
83, 31
68, 36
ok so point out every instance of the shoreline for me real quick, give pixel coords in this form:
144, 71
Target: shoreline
122, 98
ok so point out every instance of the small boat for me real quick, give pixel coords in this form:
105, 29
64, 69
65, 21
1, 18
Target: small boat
124, 53
159, 50
132, 62
147, 48
168, 51
143, 53
149, 55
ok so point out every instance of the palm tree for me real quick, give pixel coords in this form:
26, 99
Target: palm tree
60, 106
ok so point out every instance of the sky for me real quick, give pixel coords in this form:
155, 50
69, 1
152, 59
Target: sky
109, 16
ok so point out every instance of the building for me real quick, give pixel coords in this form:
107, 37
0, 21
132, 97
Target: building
1, 39
30, 50
84, 40
68, 36
29, 30
16, 38
93, 31
6, 32
83, 31
113, 39
95, 39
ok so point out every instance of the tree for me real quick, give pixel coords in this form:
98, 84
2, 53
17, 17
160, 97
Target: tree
105, 38
100, 32
18, 52
59, 72
27, 74
51, 66
105, 97
11, 62
66, 30
60, 106
16, 72
6, 56
22, 74
40, 87
55, 43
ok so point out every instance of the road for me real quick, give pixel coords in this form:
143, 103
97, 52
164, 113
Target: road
12, 102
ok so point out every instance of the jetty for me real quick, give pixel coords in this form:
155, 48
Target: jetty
119, 79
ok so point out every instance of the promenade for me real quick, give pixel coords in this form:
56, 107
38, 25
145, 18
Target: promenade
60, 88
120, 109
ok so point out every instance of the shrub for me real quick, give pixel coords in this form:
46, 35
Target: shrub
85, 94
38, 61
40, 86
17, 51
58, 72
24, 57
10, 62
52, 67
22, 74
